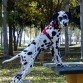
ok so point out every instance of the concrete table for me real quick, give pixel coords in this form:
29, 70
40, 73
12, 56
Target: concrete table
73, 72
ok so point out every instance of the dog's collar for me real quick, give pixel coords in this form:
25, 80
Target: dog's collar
55, 26
44, 31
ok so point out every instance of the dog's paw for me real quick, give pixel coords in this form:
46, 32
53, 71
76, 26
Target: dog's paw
62, 65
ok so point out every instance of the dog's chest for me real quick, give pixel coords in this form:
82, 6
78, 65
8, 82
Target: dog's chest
54, 33
42, 42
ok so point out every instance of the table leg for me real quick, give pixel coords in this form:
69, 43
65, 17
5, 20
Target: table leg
79, 78
71, 78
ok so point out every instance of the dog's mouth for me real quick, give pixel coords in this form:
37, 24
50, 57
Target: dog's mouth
65, 24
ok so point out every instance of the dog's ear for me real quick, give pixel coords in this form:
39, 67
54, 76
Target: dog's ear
55, 16
69, 14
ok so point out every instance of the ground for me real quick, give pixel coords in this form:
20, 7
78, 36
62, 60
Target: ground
39, 74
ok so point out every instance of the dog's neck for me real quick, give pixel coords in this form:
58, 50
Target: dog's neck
55, 24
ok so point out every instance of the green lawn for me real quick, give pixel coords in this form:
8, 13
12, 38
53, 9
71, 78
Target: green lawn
39, 74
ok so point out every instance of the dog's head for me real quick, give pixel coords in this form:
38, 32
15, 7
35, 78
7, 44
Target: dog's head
61, 18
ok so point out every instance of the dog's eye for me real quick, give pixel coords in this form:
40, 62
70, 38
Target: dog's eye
60, 18
65, 17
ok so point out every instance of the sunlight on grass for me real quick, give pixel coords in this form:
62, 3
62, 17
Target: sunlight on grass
39, 74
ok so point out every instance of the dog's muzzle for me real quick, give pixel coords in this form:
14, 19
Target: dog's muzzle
65, 24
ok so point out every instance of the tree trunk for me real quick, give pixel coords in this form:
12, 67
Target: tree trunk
10, 38
81, 25
1, 38
42, 26
30, 34
15, 44
66, 8
51, 9
20, 37
4, 24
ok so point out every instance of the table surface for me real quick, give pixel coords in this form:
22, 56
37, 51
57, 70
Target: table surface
71, 68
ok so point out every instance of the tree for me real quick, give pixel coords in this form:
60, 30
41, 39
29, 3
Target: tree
66, 8
0, 15
10, 20
4, 24
81, 25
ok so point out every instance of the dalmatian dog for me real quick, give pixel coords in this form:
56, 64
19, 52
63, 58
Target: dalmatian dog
48, 37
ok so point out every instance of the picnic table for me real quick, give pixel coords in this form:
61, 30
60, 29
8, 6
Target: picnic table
73, 71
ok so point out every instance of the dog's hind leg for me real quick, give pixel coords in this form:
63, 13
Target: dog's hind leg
27, 62
25, 69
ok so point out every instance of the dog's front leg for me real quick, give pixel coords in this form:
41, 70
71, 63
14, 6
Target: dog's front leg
57, 59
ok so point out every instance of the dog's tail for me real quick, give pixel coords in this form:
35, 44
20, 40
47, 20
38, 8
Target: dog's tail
11, 59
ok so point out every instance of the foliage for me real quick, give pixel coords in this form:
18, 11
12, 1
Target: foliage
27, 12
75, 12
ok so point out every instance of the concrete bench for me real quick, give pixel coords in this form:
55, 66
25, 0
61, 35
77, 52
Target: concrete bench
73, 72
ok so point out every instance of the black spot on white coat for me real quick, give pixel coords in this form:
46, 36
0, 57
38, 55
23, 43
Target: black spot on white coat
53, 33
29, 53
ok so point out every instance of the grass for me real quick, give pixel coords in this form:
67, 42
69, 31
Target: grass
39, 74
